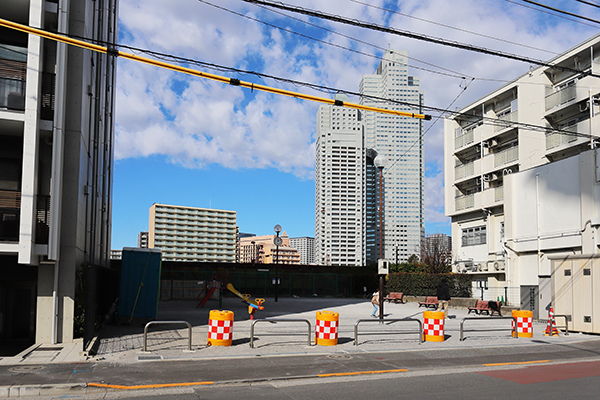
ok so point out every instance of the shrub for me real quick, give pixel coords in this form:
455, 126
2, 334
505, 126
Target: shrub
420, 284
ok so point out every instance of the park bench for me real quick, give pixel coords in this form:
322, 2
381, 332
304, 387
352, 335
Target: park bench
485, 307
395, 296
430, 301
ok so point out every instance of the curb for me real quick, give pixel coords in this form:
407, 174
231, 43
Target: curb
48, 390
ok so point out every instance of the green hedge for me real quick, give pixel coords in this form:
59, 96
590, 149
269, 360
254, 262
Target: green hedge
419, 284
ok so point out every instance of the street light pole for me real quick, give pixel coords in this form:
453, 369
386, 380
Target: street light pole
380, 162
277, 242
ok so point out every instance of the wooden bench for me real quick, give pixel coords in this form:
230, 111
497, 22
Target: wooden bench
485, 307
395, 296
430, 301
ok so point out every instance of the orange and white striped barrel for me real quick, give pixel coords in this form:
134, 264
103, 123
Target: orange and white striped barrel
220, 328
433, 326
326, 328
524, 323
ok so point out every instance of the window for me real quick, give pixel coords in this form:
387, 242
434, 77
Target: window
473, 236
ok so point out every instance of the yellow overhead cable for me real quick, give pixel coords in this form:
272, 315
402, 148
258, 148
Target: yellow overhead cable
232, 81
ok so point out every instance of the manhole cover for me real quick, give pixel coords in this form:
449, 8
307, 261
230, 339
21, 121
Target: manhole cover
339, 356
26, 368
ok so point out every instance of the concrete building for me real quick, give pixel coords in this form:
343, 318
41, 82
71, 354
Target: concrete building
344, 206
261, 250
56, 158
116, 254
521, 180
306, 248
193, 234
399, 139
142, 241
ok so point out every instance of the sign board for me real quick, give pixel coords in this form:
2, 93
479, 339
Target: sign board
383, 267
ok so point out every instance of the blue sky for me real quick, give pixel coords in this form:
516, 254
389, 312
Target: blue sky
186, 141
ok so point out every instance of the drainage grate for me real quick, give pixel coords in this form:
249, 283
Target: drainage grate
339, 356
147, 357
49, 349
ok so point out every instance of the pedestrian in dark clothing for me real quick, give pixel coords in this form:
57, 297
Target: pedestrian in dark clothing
443, 296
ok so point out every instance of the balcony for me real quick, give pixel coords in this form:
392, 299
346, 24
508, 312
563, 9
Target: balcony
12, 81
464, 202
464, 170
464, 137
10, 209
566, 96
506, 156
506, 121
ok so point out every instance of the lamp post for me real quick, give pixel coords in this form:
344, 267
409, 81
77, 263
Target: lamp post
380, 162
277, 242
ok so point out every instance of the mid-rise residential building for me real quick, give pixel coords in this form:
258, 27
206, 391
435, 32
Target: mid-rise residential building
345, 227
400, 141
116, 254
262, 250
56, 160
192, 233
306, 248
142, 242
522, 177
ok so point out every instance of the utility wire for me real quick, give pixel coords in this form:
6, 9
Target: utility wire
561, 11
588, 3
112, 51
431, 39
549, 13
452, 27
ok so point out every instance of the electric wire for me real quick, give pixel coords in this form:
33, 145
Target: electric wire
589, 3
416, 36
561, 11
452, 27
549, 13
110, 49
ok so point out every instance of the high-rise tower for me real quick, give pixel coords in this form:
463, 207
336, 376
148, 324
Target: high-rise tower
399, 139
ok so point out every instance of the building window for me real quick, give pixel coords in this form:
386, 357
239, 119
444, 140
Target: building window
473, 236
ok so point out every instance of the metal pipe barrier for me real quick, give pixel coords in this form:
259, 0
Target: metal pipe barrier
165, 323
513, 329
387, 320
274, 321
566, 323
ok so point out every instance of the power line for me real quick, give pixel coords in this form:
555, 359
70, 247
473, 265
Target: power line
452, 27
588, 3
112, 51
457, 74
561, 11
549, 13
431, 39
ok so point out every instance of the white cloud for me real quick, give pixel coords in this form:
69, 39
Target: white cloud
205, 122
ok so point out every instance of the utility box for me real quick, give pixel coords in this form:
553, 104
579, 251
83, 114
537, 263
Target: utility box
575, 291
383, 267
140, 283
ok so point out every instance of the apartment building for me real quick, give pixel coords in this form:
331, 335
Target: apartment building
306, 247
56, 158
142, 240
345, 225
262, 250
399, 139
193, 234
521, 173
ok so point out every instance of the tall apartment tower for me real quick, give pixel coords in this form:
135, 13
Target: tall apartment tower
399, 139
344, 170
56, 159
306, 248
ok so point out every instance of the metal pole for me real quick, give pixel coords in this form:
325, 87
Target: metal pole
380, 213
276, 271
381, 298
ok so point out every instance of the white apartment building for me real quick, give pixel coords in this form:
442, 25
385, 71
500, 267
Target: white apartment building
399, 139
306, 247
193, 234
343, 171
56, 158
522, 182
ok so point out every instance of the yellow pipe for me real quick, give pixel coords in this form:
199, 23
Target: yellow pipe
189, 71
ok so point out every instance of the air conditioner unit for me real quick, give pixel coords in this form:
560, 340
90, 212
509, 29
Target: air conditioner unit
492, 143
499, 265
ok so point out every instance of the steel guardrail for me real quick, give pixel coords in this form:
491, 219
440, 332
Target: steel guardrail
566, 323
167, 323
387, 320
514, 327
273, 321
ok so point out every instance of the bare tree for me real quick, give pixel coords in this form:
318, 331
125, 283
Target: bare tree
436, 253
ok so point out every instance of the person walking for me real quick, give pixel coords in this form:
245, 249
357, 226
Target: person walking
375, 302
443, 296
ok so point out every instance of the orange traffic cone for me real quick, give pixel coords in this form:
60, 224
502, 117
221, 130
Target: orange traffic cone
551, 327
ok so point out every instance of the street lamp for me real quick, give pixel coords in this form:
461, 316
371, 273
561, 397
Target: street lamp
380, 162
277, 242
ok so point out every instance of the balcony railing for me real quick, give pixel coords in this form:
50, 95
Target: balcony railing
464, 138
505, 121
560, 97
463, 170
463, 202
499, 193
555, 139
10, 210
506, 156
